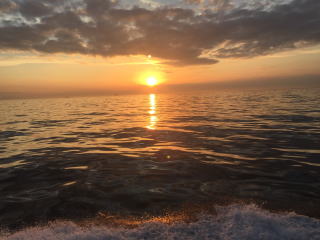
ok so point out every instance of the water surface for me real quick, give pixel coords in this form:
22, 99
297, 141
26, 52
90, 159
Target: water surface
71, 158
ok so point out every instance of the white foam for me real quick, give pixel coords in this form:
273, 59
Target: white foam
234, 222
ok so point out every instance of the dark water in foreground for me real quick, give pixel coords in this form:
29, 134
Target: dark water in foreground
71, 158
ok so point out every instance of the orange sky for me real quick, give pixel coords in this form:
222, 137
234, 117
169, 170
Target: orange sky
78, 73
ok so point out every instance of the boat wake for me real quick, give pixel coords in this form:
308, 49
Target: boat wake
231, 222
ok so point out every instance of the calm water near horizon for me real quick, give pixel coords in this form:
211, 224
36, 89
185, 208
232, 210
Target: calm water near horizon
72, 158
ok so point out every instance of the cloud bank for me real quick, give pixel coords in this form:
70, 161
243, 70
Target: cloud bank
180, 35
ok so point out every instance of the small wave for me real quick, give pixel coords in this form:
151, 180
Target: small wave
232, 222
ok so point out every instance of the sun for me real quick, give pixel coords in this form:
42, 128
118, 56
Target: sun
150, 78
152, 81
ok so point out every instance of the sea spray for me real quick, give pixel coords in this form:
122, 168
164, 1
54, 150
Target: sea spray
233, 222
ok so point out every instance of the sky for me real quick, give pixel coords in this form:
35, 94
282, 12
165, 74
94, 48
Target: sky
116, 45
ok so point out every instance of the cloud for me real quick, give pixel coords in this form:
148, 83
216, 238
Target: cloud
6, 6
97, 8
179, 36
33, 8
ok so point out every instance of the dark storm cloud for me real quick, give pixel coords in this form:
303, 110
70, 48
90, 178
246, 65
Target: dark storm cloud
176, 35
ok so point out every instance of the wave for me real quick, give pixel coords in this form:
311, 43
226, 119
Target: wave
231, 222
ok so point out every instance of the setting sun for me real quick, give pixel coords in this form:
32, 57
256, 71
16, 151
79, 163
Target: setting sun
151, 81
150, 78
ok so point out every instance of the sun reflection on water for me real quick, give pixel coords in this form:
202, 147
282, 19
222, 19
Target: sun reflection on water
152, 112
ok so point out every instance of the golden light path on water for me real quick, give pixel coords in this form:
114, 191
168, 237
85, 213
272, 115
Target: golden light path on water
152, 112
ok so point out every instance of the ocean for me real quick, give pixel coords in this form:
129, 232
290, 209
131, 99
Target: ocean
220, 164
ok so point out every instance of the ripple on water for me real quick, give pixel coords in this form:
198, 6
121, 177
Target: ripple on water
72, 158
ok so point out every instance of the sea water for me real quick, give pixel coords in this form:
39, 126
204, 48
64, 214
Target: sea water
254, 155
